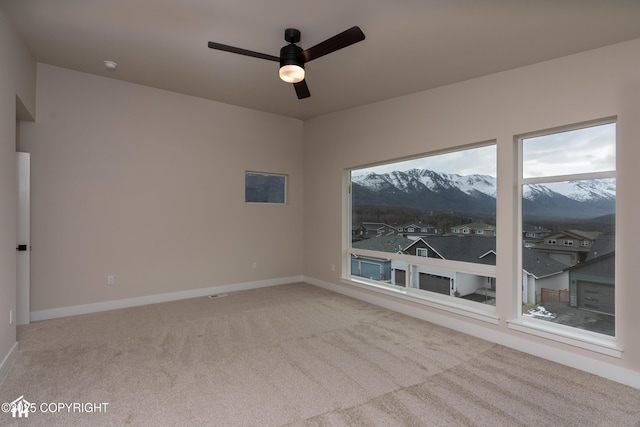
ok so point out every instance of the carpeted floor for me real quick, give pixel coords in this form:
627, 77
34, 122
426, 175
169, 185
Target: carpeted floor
293, 355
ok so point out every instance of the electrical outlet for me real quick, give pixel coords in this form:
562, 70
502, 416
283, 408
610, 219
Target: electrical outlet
254, 265
11, 316
111, 280
333, 267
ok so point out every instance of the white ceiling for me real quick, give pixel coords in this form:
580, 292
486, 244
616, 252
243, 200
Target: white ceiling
410, 45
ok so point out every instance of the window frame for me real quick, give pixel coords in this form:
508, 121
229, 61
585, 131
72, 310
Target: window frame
285, 188
582, 338
471, 309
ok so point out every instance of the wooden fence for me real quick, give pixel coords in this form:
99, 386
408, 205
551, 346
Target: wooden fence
554, 295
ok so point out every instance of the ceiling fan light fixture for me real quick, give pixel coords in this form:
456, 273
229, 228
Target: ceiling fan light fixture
292, 73
291, 63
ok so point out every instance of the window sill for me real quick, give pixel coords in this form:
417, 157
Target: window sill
477, 311
568, 335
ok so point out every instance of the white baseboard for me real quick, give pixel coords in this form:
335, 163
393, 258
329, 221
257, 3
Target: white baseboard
8, 361
591, 365
158, 298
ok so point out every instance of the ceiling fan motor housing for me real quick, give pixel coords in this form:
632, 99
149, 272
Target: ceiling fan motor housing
291, 55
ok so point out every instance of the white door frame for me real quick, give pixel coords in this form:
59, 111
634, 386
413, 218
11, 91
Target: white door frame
23, 237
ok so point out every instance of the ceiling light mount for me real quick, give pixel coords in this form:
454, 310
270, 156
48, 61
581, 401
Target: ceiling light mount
292, 35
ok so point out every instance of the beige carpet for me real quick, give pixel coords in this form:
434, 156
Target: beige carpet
294, 355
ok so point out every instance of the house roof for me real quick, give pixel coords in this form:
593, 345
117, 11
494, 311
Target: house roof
604, 244
458, 248
603, 266
576, 234
477, 249
374, 226
394, 244
540, 265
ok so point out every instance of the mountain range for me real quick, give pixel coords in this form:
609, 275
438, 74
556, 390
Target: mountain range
476, 194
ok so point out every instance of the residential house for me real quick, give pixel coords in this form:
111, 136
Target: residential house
377, 229
374, 267
474, 229
569, 247
367, 230
533, 234
416, 230
476, 249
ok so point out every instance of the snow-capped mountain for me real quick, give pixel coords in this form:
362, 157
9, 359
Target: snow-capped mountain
581, 191
429, 190
416, 179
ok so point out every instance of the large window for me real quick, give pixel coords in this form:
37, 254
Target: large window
427, 226
569, 191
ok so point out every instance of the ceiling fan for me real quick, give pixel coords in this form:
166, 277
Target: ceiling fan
292, 58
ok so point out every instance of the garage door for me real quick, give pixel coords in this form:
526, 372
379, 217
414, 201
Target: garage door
401, 277
433, 283
596, 297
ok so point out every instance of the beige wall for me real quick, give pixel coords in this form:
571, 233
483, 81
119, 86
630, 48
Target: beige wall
17, 71
148, 186
587, 86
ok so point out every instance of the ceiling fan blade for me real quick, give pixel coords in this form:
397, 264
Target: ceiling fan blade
302, 90
226, 48
337, 42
